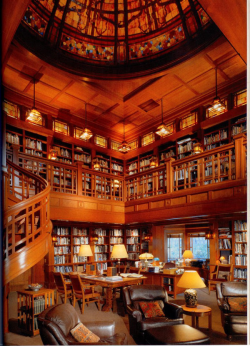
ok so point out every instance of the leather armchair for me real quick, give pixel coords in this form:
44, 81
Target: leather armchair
234, 322
138, 324
56, 322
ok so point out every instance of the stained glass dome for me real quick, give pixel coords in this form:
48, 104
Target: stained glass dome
125, 35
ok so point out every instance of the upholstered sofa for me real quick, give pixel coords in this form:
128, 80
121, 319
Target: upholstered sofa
56, 322
232, 301
138, 323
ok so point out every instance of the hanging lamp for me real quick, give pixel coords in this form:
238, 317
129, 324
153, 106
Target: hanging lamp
96, 164
162, 130
218, 106
124, 147
87, 133
197, 148
153, 161
34, 115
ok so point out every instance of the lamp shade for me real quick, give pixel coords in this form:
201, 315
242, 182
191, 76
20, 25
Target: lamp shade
119, 251
187, 254
85, 250
191, 279
146, 256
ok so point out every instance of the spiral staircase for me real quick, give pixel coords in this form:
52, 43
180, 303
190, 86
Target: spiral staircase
26, 223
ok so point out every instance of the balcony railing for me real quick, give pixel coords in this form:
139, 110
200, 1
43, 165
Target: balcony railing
222, 164
29, 218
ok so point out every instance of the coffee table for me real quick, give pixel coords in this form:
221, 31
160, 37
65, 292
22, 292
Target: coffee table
199, 311
178, 334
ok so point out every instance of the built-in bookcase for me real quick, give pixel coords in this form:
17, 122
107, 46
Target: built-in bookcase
240, 249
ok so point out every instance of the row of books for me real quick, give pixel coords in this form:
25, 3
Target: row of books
241, 260
133, 240
101, 232
34, 144
133, 248
241, 237
133, 256
64, 269
61, 250
241, 248
80, 231
222, 134
62, 241
116, 240
132, 232
59, 259
81, 240
79, 259
116, 232
240, 273
101, 248
83, 158
225, 244
62, 231
240, 225
33, 152
101, 257
12, 138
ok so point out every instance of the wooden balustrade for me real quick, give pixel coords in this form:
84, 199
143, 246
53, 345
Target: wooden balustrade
221, 164
29, 219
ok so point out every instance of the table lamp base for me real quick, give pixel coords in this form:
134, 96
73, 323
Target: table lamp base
190, 296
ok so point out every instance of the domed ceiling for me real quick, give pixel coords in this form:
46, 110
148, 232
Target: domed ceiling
116, 37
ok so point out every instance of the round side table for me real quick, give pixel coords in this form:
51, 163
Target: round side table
199, 311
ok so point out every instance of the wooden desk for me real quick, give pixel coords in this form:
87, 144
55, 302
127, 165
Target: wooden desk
30, 305
110, 285
199, 311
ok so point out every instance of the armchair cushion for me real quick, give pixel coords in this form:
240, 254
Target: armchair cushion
237, 304
151, 309
83, 334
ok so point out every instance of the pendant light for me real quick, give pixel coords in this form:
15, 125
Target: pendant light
124, 147
87, 133
162, 130
96, 164
218, 106
153, 161
197, 148
34, 115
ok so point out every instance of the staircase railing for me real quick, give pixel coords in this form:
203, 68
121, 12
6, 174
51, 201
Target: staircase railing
28, 221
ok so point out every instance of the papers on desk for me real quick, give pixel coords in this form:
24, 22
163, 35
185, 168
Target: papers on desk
113, 278
131, 275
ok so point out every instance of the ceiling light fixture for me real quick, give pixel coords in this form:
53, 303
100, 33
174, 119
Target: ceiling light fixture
34, 115
218, 106
162, 130
124, 147
87, 133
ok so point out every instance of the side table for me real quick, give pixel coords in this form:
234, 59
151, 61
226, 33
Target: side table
199, 311
30, 305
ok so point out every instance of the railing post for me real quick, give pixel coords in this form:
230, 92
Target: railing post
169, 170
79, 178
239, 156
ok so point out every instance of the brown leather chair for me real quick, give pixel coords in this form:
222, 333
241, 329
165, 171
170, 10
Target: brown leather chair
230, 298
138, 324
56, 322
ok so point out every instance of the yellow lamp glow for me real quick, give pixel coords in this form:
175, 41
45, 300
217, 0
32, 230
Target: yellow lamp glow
187, 255
119, 251
190, 279
85, 250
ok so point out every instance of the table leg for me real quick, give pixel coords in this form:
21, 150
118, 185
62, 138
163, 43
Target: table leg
109, 300
197, 321
210, 320
193, 321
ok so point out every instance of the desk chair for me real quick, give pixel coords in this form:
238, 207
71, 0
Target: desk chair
223, 273
84, 292
63, 287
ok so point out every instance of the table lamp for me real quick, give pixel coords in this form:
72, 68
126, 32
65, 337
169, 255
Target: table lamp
190, 279
145, 256
119, 251
187, 255
85, 250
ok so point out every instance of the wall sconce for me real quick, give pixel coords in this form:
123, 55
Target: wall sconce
95, 238
53, 154
147, 237
96, 164
153, 162
54, 238
209, 235
116, 183
197, 148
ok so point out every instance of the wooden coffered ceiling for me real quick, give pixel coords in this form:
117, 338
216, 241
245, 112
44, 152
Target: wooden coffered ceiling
136, 102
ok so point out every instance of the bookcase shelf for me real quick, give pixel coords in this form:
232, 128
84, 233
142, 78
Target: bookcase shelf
216, 136
83, 155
